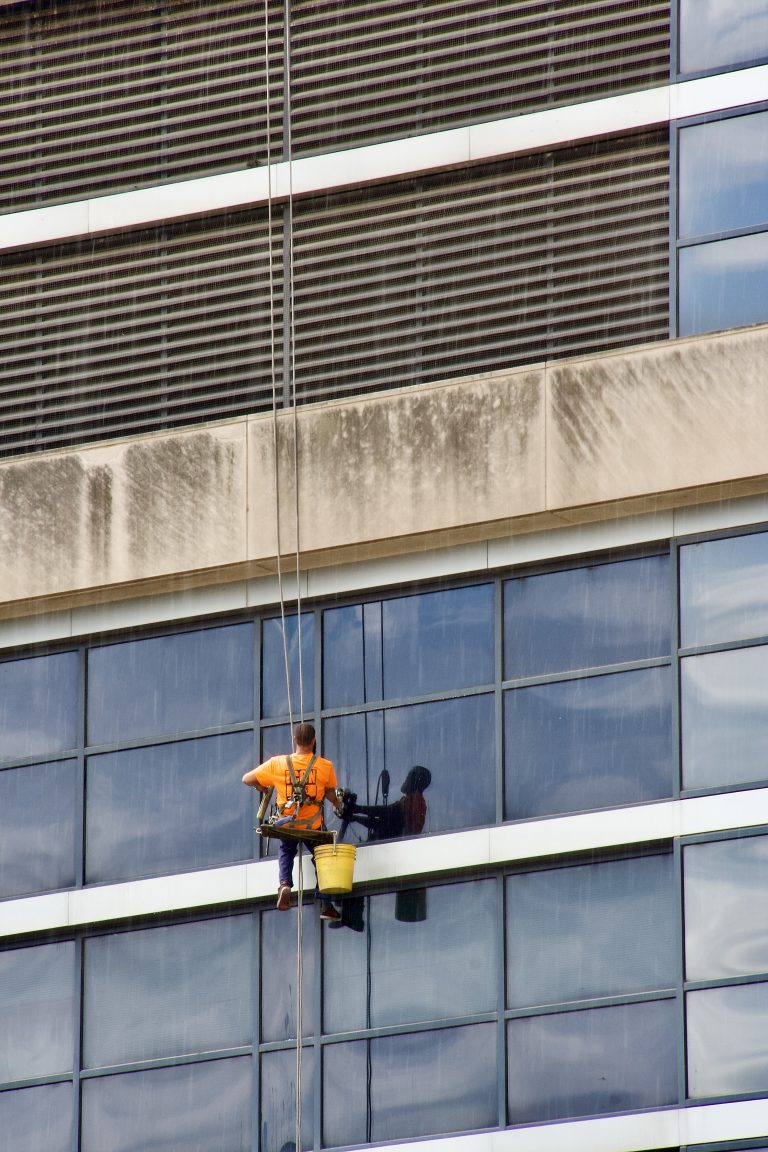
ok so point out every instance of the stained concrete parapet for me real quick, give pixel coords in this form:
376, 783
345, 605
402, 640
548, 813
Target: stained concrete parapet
665, 425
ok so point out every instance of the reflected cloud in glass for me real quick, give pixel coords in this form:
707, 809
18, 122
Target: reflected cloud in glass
724, 590
726, 1029
726, 912
37, 1118
38, 705
721, 32
723, 284
37, 828
37, 1009
729, 159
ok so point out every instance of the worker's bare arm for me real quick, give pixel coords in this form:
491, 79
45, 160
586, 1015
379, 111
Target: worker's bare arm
250, 779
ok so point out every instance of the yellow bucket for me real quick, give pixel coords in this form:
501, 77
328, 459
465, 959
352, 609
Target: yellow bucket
335, 864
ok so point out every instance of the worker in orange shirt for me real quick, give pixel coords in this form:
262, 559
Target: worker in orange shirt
303, 781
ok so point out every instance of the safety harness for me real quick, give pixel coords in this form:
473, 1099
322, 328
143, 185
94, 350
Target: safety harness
298, 797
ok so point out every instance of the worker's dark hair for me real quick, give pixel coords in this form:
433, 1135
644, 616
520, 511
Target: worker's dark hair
417, 779
304, 735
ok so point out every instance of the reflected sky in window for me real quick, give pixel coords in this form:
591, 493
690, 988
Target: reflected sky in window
723, 175
38, 705
301, 673
726, 1029
724, 590
37, 1118
37, 1008
37, 827
721, 32
724, 717
726, 913
723, 284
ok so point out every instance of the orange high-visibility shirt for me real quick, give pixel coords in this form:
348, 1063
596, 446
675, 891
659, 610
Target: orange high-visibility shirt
274, 773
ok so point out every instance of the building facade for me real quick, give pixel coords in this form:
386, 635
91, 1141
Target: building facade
401, 367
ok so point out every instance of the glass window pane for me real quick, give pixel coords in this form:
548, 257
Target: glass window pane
274, 691
37, 828
724, 700
418, 1083
278, 1100
168, 808
38, 705
593, 930
198, 1107
278, 970
438, 642
585, 617
36, 1118
726, 914
722, 32
591, 743
724, 590
407, 934
728, 158
726, 1030
614, 1059
170, 684
37, 1010
168, 991
343, 657
723, 284
355, 744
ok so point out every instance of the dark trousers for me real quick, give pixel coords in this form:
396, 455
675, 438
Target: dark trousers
286, 854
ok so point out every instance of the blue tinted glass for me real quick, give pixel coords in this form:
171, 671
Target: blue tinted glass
723, 284
167, 991
168, 808
724, 590
591, 743
275, 741
724, 700
726, 914
278, 1100
593, 930
438, 642
454, 740
418, 1084
725, 1029
722, 32
36, 1118
355, 744
37, 1009
38, 705
586, 617
170, 684
37, 828
278, 974
274, 691
723, 175
408, 932
195, 1107
614, 1059
352, 655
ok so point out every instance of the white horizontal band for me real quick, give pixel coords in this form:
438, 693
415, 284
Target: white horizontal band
493, 140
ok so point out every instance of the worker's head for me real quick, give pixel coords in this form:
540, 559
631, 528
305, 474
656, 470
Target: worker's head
417, 780
304, 738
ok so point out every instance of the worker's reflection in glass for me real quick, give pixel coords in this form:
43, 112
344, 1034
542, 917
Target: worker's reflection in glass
405, 817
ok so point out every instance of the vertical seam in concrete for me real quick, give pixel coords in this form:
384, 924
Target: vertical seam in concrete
546, 434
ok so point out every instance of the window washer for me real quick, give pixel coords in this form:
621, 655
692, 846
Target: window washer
303, 781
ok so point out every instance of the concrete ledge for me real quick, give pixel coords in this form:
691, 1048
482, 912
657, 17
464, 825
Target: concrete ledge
672, 425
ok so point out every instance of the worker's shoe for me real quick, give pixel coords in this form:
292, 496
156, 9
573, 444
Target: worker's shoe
328, 912
283, 898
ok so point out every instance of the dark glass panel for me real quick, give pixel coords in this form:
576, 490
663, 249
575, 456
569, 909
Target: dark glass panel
37, 1010
721, 32
588, 743
418, 1083
408, 934
169, 684
729, 159
726, 913
586, 617
723, 284
438, 641
195, 1107
725, 1029
168, 808
275, 741
278, 1100
38, 705
355, 744
592, 930
168, 991
343, 657
36, 1118
614, 1059
724, 700
279, 995
724, 590
37, 828
274, 690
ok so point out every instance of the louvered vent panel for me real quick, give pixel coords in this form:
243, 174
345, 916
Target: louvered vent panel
482, 269
102, 95
153, 330
361, 72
